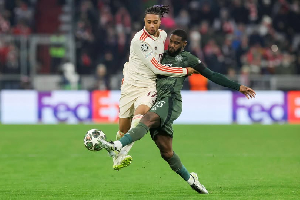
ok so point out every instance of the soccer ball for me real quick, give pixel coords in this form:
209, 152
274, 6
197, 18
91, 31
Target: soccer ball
91, 139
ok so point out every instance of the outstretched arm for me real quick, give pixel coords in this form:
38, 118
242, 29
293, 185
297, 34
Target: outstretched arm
248, 92
222, 80
145, 53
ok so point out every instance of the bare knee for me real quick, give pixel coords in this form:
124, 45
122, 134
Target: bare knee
124, 124
124, 129
166, 155
151, 119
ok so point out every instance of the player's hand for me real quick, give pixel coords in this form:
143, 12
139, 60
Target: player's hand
191, 71
248, 92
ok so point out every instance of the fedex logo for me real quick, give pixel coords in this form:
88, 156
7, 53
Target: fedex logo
294, 107
105, 106
64, 106
266, 108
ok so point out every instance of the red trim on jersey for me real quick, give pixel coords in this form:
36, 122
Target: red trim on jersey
165, 68
148, 35
143, 36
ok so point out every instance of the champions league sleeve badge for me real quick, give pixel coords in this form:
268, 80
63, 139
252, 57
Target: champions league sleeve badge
144, 47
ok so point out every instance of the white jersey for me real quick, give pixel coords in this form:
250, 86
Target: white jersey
144, 60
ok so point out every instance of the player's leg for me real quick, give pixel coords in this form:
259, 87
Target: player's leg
121, 159
126, 123
126, 110
141, 106
124, 126
134, 122
150, 119
163, 141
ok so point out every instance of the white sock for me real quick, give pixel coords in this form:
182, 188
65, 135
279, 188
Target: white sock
135, 120
191, 180
118, 145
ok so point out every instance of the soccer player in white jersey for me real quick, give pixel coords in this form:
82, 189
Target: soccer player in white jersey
138, 90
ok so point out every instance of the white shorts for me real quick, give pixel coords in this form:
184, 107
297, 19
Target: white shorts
132, 97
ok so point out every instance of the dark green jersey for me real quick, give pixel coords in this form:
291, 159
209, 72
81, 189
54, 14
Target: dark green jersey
170, 86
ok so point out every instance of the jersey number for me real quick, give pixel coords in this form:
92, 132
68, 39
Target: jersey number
158, 104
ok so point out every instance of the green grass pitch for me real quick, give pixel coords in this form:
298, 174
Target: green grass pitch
233, 162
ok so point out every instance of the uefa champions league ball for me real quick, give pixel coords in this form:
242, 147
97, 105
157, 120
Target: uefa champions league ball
91, 139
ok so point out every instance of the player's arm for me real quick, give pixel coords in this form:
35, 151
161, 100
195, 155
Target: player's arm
222, 80
145, 53
216, 77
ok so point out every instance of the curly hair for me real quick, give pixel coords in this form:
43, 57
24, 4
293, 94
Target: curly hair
181, 33
158, 10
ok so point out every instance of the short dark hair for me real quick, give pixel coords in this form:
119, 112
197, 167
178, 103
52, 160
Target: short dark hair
181, 33
158, 10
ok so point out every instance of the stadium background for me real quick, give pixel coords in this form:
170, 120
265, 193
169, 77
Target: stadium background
61, 63
82, 45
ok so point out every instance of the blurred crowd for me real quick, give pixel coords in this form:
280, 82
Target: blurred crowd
231, 36
16, 19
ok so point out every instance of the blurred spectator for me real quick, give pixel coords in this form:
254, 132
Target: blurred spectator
168, 23
123, 21
195, 44
57, 51
253, 15
106, 17
101, 79
226, 22
229, 55
213, 56
25, 83
12, 65
109, 61
253, 59
70, 79
281, 21
241, 50
206, 13
183, 19
286, 65
21, 28
4, 24
85, 64
239, 12
23, 12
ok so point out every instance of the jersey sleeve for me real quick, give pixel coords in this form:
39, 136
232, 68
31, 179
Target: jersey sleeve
193, 60
215, 77
144, 51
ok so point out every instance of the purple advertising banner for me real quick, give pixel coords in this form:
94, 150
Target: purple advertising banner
64, 106
267, 108
73, 107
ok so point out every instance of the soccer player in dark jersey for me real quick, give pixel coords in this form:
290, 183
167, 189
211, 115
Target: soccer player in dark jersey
160, 118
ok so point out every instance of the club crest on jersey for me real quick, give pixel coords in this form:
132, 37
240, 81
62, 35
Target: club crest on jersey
144, 47
178, 58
